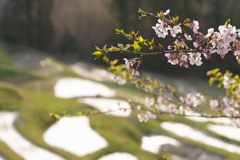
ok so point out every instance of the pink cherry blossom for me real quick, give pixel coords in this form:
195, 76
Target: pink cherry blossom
167, 12
195, 44
210, 32
151, 115
192, 99
171, 108
119, 79
149, 101
175, 30
142, 117
195, 26
214, 104
129, 62
195, 59
161, 29
228, 81
188, 37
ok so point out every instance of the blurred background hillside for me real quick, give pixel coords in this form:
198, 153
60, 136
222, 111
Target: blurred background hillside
71, 29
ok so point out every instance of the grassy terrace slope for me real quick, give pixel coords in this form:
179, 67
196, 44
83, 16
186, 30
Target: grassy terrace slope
28, 89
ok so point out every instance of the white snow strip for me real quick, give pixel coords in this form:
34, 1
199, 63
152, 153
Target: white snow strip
103, 104
203, 119
77, 87
153, 143
186, 131
74, 134
18, 143
118, 156
215, 120
231, 132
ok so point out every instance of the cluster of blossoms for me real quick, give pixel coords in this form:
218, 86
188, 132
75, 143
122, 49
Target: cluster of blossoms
220, 42
237, 90
163, 103
162, 29
182, 60
155, 103
145, 117
173, 109
129, 64
119, 79
227, 81
229, 106
192, 100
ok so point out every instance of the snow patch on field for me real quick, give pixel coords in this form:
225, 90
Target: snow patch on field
231, 132
75, 135
77, 87
18, 143
114, 106
186, 131
153, 143
118, 156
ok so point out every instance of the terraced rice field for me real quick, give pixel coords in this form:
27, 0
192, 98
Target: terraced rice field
33, 84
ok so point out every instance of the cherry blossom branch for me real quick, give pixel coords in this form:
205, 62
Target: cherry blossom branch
157, 53
221, 42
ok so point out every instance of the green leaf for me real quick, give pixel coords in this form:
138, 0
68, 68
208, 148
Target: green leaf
156, 81
112, 48
105, 47
151, 48
105, 58
114, 62
238, 61
136, 46
209, 73
218, 74
236, 77
212, 72
212, 80
97, 48
141, 39
152, 42
97, 53
141, 11
118, 31
216, 70
227, 22
127, 46
186, 21
161, 15
175, 19
159, 45
133, 34
120, 46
